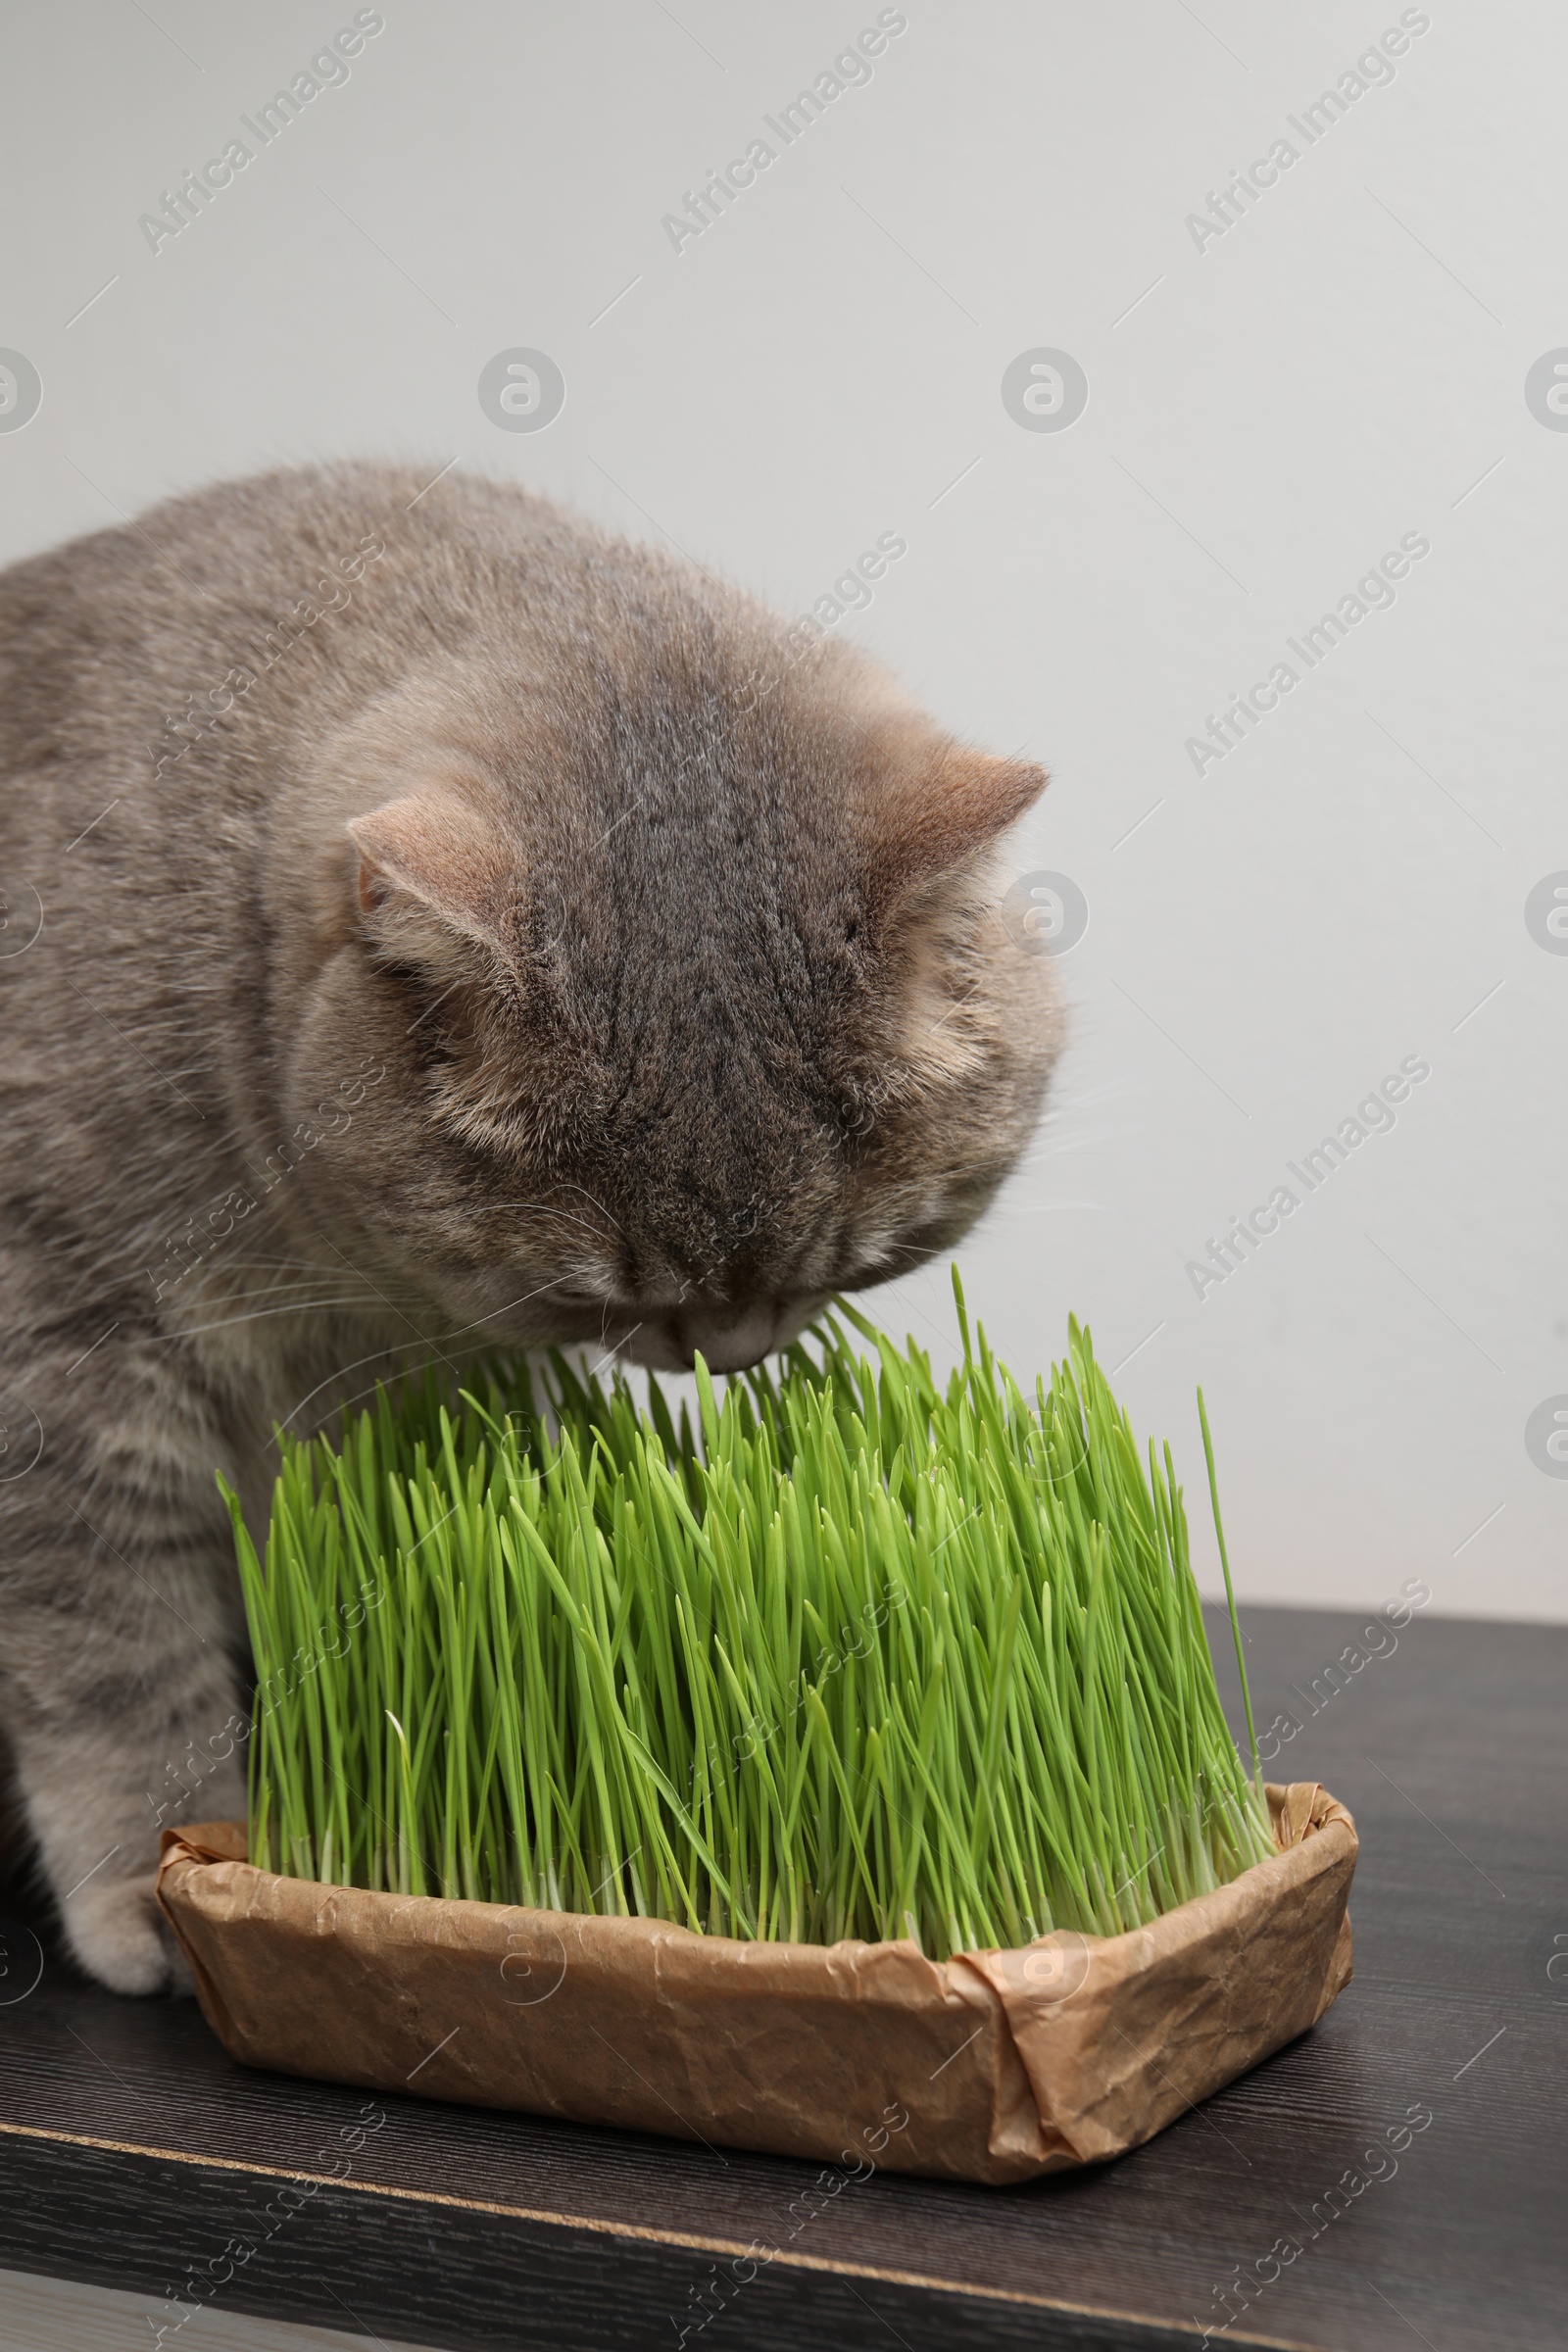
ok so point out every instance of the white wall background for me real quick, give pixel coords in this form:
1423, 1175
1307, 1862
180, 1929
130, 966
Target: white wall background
1266, 417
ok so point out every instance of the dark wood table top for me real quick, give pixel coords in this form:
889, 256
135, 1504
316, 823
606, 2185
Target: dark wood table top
137, 2155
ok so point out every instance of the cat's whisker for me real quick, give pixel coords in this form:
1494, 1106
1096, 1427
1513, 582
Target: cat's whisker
390, 1305
303, 1306
546, 1208
303, 1266
400, 1369
1060, 1151
595, 1204
344, 1369
910, 1250
270, 1290
1088, 1098
610, 1355
377, 1355
1039, 1208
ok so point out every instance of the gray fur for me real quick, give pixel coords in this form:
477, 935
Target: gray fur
657, 993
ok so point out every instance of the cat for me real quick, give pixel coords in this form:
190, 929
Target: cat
430, 923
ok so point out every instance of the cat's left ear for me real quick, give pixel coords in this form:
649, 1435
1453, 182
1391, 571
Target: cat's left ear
931, 815
432, 870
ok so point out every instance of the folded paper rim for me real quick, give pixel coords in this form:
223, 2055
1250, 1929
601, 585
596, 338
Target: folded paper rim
990, 2065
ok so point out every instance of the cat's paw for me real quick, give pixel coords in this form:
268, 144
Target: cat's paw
118, 1935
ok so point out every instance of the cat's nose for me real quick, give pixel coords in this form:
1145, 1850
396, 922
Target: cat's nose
727, 1342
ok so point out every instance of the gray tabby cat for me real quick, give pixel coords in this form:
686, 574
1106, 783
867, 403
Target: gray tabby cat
430, 923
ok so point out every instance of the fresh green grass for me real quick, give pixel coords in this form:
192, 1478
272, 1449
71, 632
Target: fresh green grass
861, 1656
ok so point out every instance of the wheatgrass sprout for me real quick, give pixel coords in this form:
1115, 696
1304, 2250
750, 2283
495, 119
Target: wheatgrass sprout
862, 1655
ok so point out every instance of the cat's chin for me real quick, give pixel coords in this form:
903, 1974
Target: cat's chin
727, 1349
726, 1341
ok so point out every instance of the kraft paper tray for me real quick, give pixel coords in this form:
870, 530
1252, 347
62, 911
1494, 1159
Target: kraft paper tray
990, 2065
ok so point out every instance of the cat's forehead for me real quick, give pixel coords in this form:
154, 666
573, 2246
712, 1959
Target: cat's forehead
728, 752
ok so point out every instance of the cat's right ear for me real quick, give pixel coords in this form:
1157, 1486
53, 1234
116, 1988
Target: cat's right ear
430, 873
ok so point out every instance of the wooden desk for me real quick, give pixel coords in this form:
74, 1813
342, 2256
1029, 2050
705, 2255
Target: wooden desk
131, 2147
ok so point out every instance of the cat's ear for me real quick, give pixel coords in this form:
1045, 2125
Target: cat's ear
933, 813
430, 870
